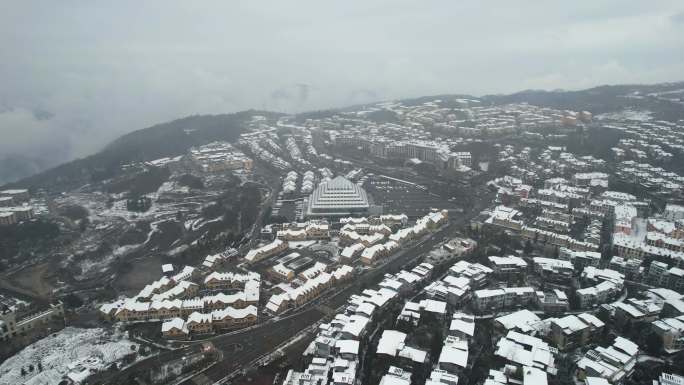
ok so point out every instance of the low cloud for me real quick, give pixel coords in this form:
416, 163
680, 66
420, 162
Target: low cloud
76, 76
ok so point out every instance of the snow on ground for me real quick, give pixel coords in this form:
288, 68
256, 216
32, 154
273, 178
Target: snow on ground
197, 224
101, 264
173, 187
177, 250
70, 352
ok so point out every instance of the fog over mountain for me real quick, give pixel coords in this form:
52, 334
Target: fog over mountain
76, 75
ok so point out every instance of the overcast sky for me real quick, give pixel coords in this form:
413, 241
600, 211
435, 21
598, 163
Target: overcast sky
76, 74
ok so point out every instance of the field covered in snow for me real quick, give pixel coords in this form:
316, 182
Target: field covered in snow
72, 352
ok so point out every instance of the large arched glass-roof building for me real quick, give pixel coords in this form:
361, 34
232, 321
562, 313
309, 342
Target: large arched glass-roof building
337, 197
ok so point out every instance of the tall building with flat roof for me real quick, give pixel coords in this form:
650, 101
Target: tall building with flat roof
337, 197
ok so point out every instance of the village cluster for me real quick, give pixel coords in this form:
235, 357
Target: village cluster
561, 267
202, 300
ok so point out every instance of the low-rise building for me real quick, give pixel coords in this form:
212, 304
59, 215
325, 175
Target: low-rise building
509, 265
580, 259
500, 299
574, 331
222, 281
462, 326
454, 355
669, 379
174, 328
671, 333
614, 363
523, 321
274, 248
610, 283
553, 269
523, 350
554, 301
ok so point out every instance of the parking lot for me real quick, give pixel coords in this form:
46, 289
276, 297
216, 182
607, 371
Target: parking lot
404, 197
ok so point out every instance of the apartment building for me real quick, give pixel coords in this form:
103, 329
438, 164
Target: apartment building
14, 322
522, 350
553, 269
508, 265
499, 299
615, 363
580, 259
574, 331
671, 333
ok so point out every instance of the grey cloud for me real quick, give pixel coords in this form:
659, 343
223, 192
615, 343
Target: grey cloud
678, 18
89, 71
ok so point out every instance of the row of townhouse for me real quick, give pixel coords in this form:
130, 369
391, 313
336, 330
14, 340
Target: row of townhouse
367, 228
216, 280
253, 145
166, 283
352, 252
304, 231
561, 240
183, 289
212, 262
628, 247
387, 220
274, 248
205, 323
423, 225
297, 296
657, 239
554, 225
133, 309
351, 237
368, 247
372, 254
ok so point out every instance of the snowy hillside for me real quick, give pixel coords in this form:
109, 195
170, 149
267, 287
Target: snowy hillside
72, 352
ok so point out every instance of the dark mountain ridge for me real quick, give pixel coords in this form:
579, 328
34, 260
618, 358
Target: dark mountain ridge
176, 137
161, 140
